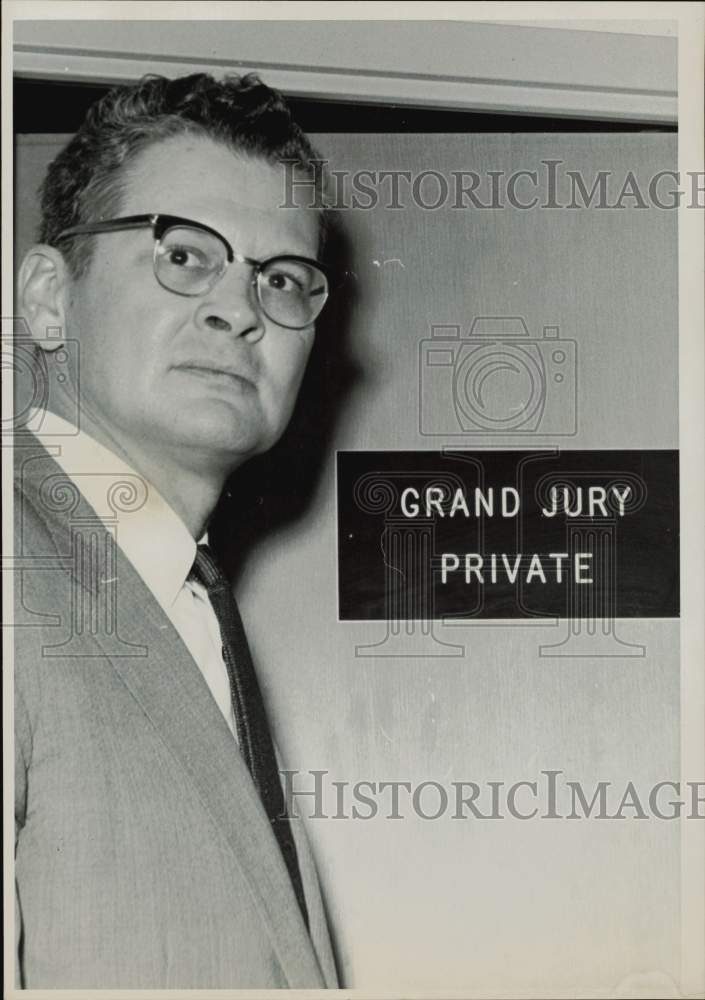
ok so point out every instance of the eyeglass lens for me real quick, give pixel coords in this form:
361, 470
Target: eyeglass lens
188, 261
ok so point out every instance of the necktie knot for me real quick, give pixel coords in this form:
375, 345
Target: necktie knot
206, 569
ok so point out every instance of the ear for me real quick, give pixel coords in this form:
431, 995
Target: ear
41, 293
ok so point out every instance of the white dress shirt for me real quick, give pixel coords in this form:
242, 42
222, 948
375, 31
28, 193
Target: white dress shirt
154, 539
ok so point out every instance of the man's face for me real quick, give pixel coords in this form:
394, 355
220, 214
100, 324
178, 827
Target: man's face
209, 379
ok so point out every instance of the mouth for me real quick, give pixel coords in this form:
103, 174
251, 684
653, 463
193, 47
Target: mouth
215, 372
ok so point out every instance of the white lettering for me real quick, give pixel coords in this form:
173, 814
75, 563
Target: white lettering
449, 563
581, 567
406, 509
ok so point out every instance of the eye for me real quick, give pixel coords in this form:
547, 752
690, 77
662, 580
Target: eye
186, 257
280, 280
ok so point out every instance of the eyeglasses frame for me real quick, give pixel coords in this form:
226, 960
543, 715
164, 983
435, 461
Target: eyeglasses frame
160, 224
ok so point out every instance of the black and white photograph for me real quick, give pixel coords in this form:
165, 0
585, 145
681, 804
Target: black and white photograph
353, 486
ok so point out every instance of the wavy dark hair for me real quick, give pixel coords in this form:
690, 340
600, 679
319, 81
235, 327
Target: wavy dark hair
84, 183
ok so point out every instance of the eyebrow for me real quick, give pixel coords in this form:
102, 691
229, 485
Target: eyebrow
289, 252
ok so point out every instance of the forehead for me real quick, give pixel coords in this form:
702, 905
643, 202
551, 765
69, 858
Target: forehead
237, 194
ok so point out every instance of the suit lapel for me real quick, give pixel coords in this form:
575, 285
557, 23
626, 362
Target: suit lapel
172, 692
155, 665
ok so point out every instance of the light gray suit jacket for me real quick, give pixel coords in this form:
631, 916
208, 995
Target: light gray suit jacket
144, 858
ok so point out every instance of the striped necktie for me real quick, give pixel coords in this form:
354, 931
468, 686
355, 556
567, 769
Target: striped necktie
248, 708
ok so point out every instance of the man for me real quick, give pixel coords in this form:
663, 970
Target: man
152, 848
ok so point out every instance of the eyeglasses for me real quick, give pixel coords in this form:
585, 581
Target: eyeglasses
190, 258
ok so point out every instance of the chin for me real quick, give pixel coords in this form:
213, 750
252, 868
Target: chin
225, 440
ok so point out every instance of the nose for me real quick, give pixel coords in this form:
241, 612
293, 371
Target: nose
231, 307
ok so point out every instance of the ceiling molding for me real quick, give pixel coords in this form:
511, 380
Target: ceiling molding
455, 65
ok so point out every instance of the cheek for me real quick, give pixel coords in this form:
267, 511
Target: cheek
125, 325
288, 364
119, 349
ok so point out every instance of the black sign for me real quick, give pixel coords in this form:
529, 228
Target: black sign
508, 534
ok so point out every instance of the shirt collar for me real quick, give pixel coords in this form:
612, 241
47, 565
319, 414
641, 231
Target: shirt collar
147, 529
